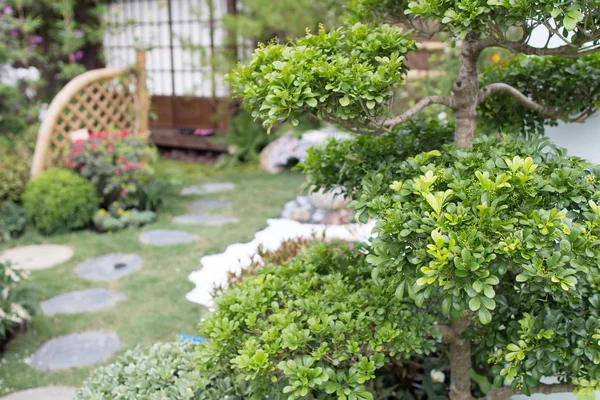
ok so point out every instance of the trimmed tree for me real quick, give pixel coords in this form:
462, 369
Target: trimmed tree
504, 236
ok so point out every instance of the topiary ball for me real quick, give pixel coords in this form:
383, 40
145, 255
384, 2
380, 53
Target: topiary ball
59, 200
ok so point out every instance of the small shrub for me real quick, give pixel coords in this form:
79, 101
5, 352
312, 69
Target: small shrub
118, 164
59, 200
14, 169
166, 371
15, 309
116, 218
246, 137
12, 220
317, 325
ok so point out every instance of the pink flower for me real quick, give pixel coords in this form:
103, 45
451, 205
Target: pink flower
14, 32
94, 146
81, 168
123, 192
127, 166
118, 172
37, 39
72, 164
110, 149
134, 165
122, 159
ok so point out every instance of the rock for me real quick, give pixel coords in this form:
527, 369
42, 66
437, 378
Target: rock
300, 215
303, 202
209, 204
319, 137
318, 215
332, 200
109, 267
44, 393
82, 301
338, 217
37, 256
288, 208
207, 188
264, 160
206, 220
76, 350
163, 237
281, 152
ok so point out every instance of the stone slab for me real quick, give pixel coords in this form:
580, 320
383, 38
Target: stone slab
39, 256
109, 267
82, 301
76, 350
207, 188
163, 237
44, 393
206, 220
209, 204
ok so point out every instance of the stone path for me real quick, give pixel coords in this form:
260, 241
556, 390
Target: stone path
206, 220
207, 188
164, 237
109, 267
237, 256
209, 204
44, 393
37, 256
76, 350
82, 301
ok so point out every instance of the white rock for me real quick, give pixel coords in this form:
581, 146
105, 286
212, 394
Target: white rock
332, 200
237, 256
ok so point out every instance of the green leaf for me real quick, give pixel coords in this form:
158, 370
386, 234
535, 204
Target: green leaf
370, 105
484, 316
344, 101
474, 304
312, 102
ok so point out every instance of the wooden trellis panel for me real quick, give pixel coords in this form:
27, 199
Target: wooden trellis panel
98, 100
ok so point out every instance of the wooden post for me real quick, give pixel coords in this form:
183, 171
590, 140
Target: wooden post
141, 91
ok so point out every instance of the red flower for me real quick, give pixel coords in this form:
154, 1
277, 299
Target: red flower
81, 168
118, 172
127, 166
123, 192
72, 164
110, 149
122, 159
94, 146
134, 165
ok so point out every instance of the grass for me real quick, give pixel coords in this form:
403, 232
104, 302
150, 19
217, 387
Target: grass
156, 309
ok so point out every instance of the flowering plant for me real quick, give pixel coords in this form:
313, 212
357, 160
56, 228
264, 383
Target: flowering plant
13, 309
116, 218
117, 163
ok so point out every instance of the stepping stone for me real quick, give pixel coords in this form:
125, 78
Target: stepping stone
44, 393
76, 350
36, 257
163, 237
207, 188
82, 301
207, 220
209, 204
109, 267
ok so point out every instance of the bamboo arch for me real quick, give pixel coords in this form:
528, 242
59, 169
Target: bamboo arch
97, 100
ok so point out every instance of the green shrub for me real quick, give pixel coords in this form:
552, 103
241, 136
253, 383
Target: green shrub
114, 220
165, 371
246, 137
119, 164
15, 307
59, 200
14, 173
317, 325
12, 220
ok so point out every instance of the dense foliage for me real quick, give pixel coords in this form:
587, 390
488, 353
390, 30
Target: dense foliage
15, 309
59, 200
344, 163
165, 371
315, 326
513, 224
246, 137
119, 164
340, 74
15, 174
13, 220
116, 218
571, 85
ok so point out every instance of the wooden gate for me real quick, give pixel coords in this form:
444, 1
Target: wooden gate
183, 38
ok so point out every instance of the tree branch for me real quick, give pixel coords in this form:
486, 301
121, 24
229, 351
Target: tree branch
566, 50
489, 90
506, 391
447, 101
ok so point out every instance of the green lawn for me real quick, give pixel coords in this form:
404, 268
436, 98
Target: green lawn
156, 309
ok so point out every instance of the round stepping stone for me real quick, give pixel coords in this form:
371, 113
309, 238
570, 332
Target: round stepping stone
109, 267
164, 237
209, 204
76, 350
39, 256
207, 220
44, 393
207, 188
82, 301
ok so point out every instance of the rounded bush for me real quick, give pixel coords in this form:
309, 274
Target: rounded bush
59, 200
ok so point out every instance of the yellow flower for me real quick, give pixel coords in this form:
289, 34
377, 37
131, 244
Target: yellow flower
102, 211
120, 211
495, 57
126, 213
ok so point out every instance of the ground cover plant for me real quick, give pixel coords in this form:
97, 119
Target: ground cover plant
498, 235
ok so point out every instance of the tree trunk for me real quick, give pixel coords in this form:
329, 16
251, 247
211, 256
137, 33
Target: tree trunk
460, 361
466, 90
